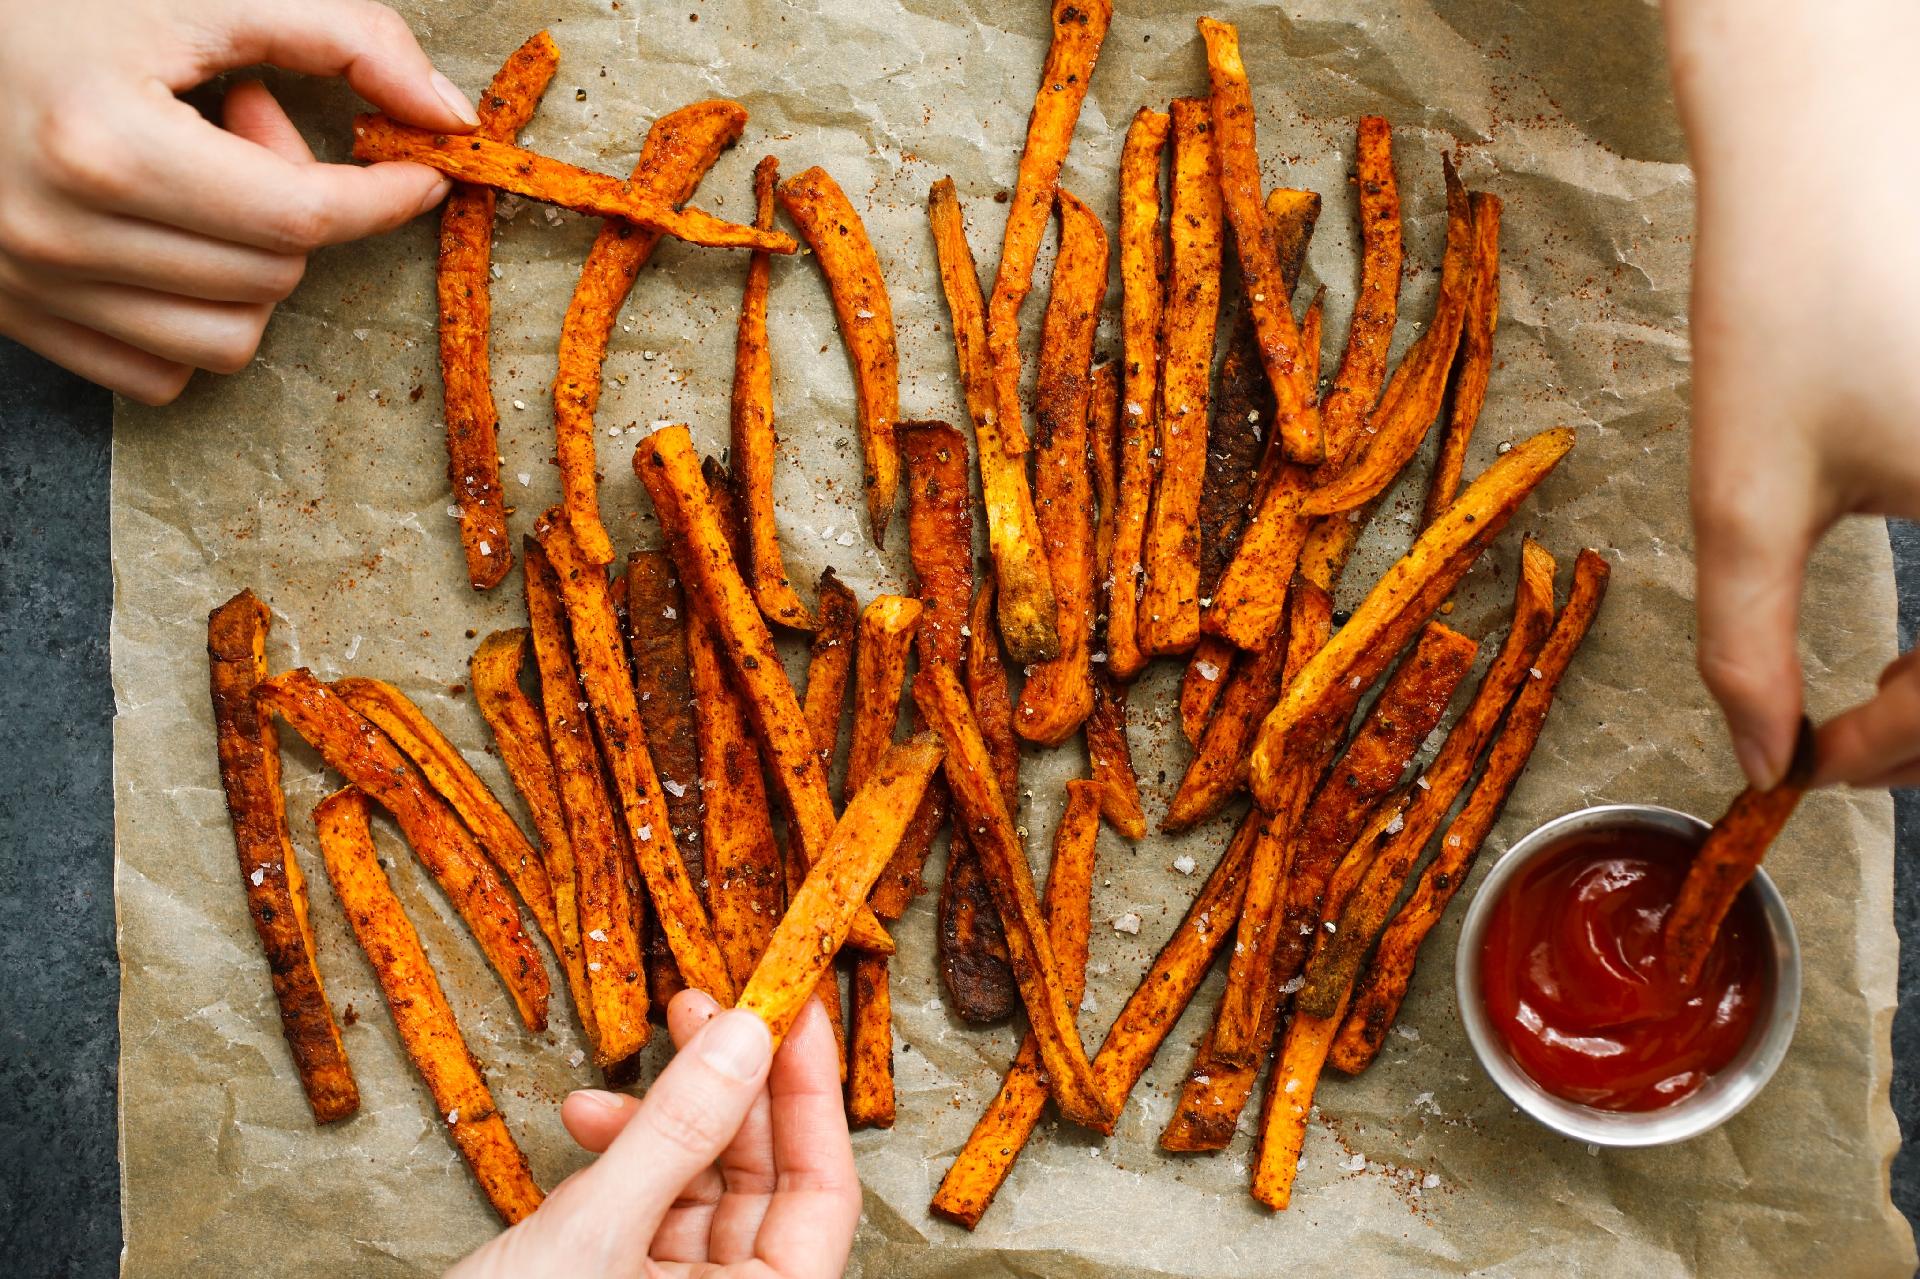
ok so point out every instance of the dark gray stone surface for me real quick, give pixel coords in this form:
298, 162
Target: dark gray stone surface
59, 1042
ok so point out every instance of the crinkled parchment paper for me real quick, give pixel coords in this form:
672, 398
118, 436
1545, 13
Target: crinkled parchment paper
317, 477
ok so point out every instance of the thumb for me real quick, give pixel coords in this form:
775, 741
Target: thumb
367, 43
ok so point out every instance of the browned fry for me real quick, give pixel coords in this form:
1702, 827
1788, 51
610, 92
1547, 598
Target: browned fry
1413, 701
1103, 453
1378, 995
870, 1045
656, 631
1297, 411
1475, 355
1283, 1128
1335, 965
1218, 769
679, 149
1013, 531
463, 289
670, 470
976, 1174
1363, 365
801, 952
839, 241
1243, 1004
972, 945
1169, 619
520, 735
1079, 28
469, 158
1412, 399
420, 1010
1176, 972
1058, 694
362, 754
249, 751
608, 680
977, 796
1143, 290
604, 903
830, 664
1110, 759
1439, 559
394, 713
752, 426
886, 633
1727, 859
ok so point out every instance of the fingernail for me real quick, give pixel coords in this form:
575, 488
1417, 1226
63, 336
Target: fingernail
456, 101
434, 198
609, 1101
1755, 762
737, 1045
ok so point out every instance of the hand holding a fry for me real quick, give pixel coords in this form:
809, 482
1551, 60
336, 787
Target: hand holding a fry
736, 1161
140, 241
1806, 386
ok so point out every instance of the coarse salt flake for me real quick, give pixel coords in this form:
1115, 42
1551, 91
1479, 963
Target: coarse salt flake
1424, 784
453, 511
519, 404
453, 1116
594, 966
1207, 671
1431, 1180
1184, 864
575, 1057
486, 548
598, 934
646, 832
525, 478
1535, 672
1354, 1163
674, 788
1127, 923
259, 876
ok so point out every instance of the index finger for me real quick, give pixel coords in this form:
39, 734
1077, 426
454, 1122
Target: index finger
808, 1229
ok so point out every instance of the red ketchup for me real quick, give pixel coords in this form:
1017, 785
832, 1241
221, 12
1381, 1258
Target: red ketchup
1572, 975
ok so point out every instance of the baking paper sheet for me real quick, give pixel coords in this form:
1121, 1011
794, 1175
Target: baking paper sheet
317, 477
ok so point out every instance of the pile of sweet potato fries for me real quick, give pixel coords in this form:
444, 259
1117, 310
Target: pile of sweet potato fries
1156, 508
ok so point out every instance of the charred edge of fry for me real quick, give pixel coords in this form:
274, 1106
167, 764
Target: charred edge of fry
839, 241
870, 1102
1474, 362
463, 290
800, 953
249, 754
1110, 759
420, 1010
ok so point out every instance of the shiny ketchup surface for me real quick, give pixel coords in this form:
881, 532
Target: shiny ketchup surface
1573, 978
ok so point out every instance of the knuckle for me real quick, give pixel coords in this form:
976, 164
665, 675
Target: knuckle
30, 240
384, 27
1727, 672
687, 1123
162, 389
233, 348
80, 157
301, 223
283, 275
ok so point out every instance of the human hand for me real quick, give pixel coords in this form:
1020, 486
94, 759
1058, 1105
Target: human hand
1806, 391
724, 1168
139, 241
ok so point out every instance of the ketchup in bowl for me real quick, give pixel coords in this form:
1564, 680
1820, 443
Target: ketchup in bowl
1574, 981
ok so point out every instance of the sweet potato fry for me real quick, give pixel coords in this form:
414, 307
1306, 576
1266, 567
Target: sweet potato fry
1216, 1091
1379, 993
870, 1102
463, 290
1726, 861
1439, 558
1230, 103
1143, 288
1079, 28
469, 158
1331, 973
1103, 453
886, 632
1283, 1128
656, 632
1475, 357
1058, 694
839, 241
604, 904
976, 1174
1013, 531
669, 469
679, 149
1243, 1003
1412, 399
362, 754
520, 735
249, 752
447, 771
1110, 759
1037, 970
830, 665
608, 680
752, 434
420, 1010
1176, 972
1169, 620
1363, 365
972, 945
820, 914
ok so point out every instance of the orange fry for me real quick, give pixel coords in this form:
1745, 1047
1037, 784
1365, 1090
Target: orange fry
752, 426
1363, 365
465, 296
839, 241
420, 1010
886, 632
1476, 355
870, 1102
1013, 530
679, 149
362, 754
249, 751
818, 918
830, 664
